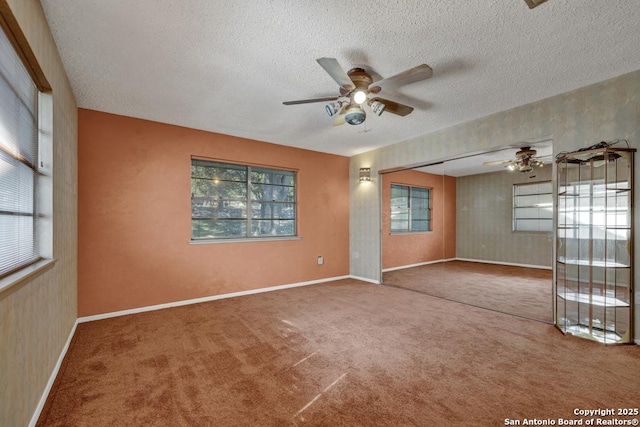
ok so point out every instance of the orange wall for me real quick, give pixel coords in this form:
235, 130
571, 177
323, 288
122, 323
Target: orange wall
134, 216
414, 248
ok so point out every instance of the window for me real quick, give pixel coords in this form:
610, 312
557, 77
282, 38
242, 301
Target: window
232, 201
410, 209
533, 207
18, 162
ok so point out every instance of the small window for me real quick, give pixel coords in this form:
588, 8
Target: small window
533, 206
234, 201
18, 162
410, 209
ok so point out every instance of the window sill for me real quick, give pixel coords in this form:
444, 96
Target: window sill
26, 273
404, 233
245, 240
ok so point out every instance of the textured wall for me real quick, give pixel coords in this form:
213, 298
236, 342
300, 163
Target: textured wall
134, 208
37, 315
603, 111
484, 218
412, 248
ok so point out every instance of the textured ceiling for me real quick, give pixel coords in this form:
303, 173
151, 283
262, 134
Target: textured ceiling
228, 66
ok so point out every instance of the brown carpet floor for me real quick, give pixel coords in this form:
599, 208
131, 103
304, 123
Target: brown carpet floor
521, 291
337, 354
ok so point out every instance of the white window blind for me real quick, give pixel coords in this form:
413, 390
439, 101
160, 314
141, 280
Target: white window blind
533, 206
18, 161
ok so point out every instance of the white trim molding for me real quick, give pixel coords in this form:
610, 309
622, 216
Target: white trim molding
206, 299
52, 377
514, 264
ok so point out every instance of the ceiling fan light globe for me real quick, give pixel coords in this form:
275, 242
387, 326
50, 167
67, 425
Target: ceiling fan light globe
355, 115
332, 108
378, 107
359, 97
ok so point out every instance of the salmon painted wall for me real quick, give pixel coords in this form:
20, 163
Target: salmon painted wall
414, 248
134, 216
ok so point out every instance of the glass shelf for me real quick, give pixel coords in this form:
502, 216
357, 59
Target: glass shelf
605, 337
593, 263
597, 300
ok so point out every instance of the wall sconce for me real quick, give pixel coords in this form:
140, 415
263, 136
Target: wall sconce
365, 174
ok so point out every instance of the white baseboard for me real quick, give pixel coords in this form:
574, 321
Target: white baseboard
514, 264
52, 377
417, 265
364, 279
205, 299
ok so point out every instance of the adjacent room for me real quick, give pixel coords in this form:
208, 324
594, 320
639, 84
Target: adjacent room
318, 213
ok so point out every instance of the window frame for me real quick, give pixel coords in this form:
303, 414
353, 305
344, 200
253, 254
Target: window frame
410, 210
249, 201
43, 190
515, 219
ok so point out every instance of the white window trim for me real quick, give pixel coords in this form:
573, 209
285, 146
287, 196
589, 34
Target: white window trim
430, 209
249, 238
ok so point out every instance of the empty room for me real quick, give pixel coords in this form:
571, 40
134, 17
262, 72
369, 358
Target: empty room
288, 213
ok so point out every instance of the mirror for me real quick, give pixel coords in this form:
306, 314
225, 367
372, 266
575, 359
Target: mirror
477, 229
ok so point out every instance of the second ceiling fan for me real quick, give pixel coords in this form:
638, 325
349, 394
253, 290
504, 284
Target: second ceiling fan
356, 87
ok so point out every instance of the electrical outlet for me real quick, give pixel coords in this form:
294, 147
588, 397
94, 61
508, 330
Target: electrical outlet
320, 260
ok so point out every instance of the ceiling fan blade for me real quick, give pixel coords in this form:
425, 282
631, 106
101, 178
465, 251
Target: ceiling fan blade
497, 162
336, 72
421, 72
394, 107
534, 3
308, 101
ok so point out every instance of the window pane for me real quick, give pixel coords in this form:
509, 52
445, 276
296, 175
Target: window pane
272, 193
272, 176
399, 196
207, 208
420, 214
419, 225
273, 227
220, 200
220, 171
533, 207
399, 225
272, 210
220, 189
210, 228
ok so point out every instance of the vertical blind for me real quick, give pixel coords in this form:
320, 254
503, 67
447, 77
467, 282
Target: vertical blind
18, 161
